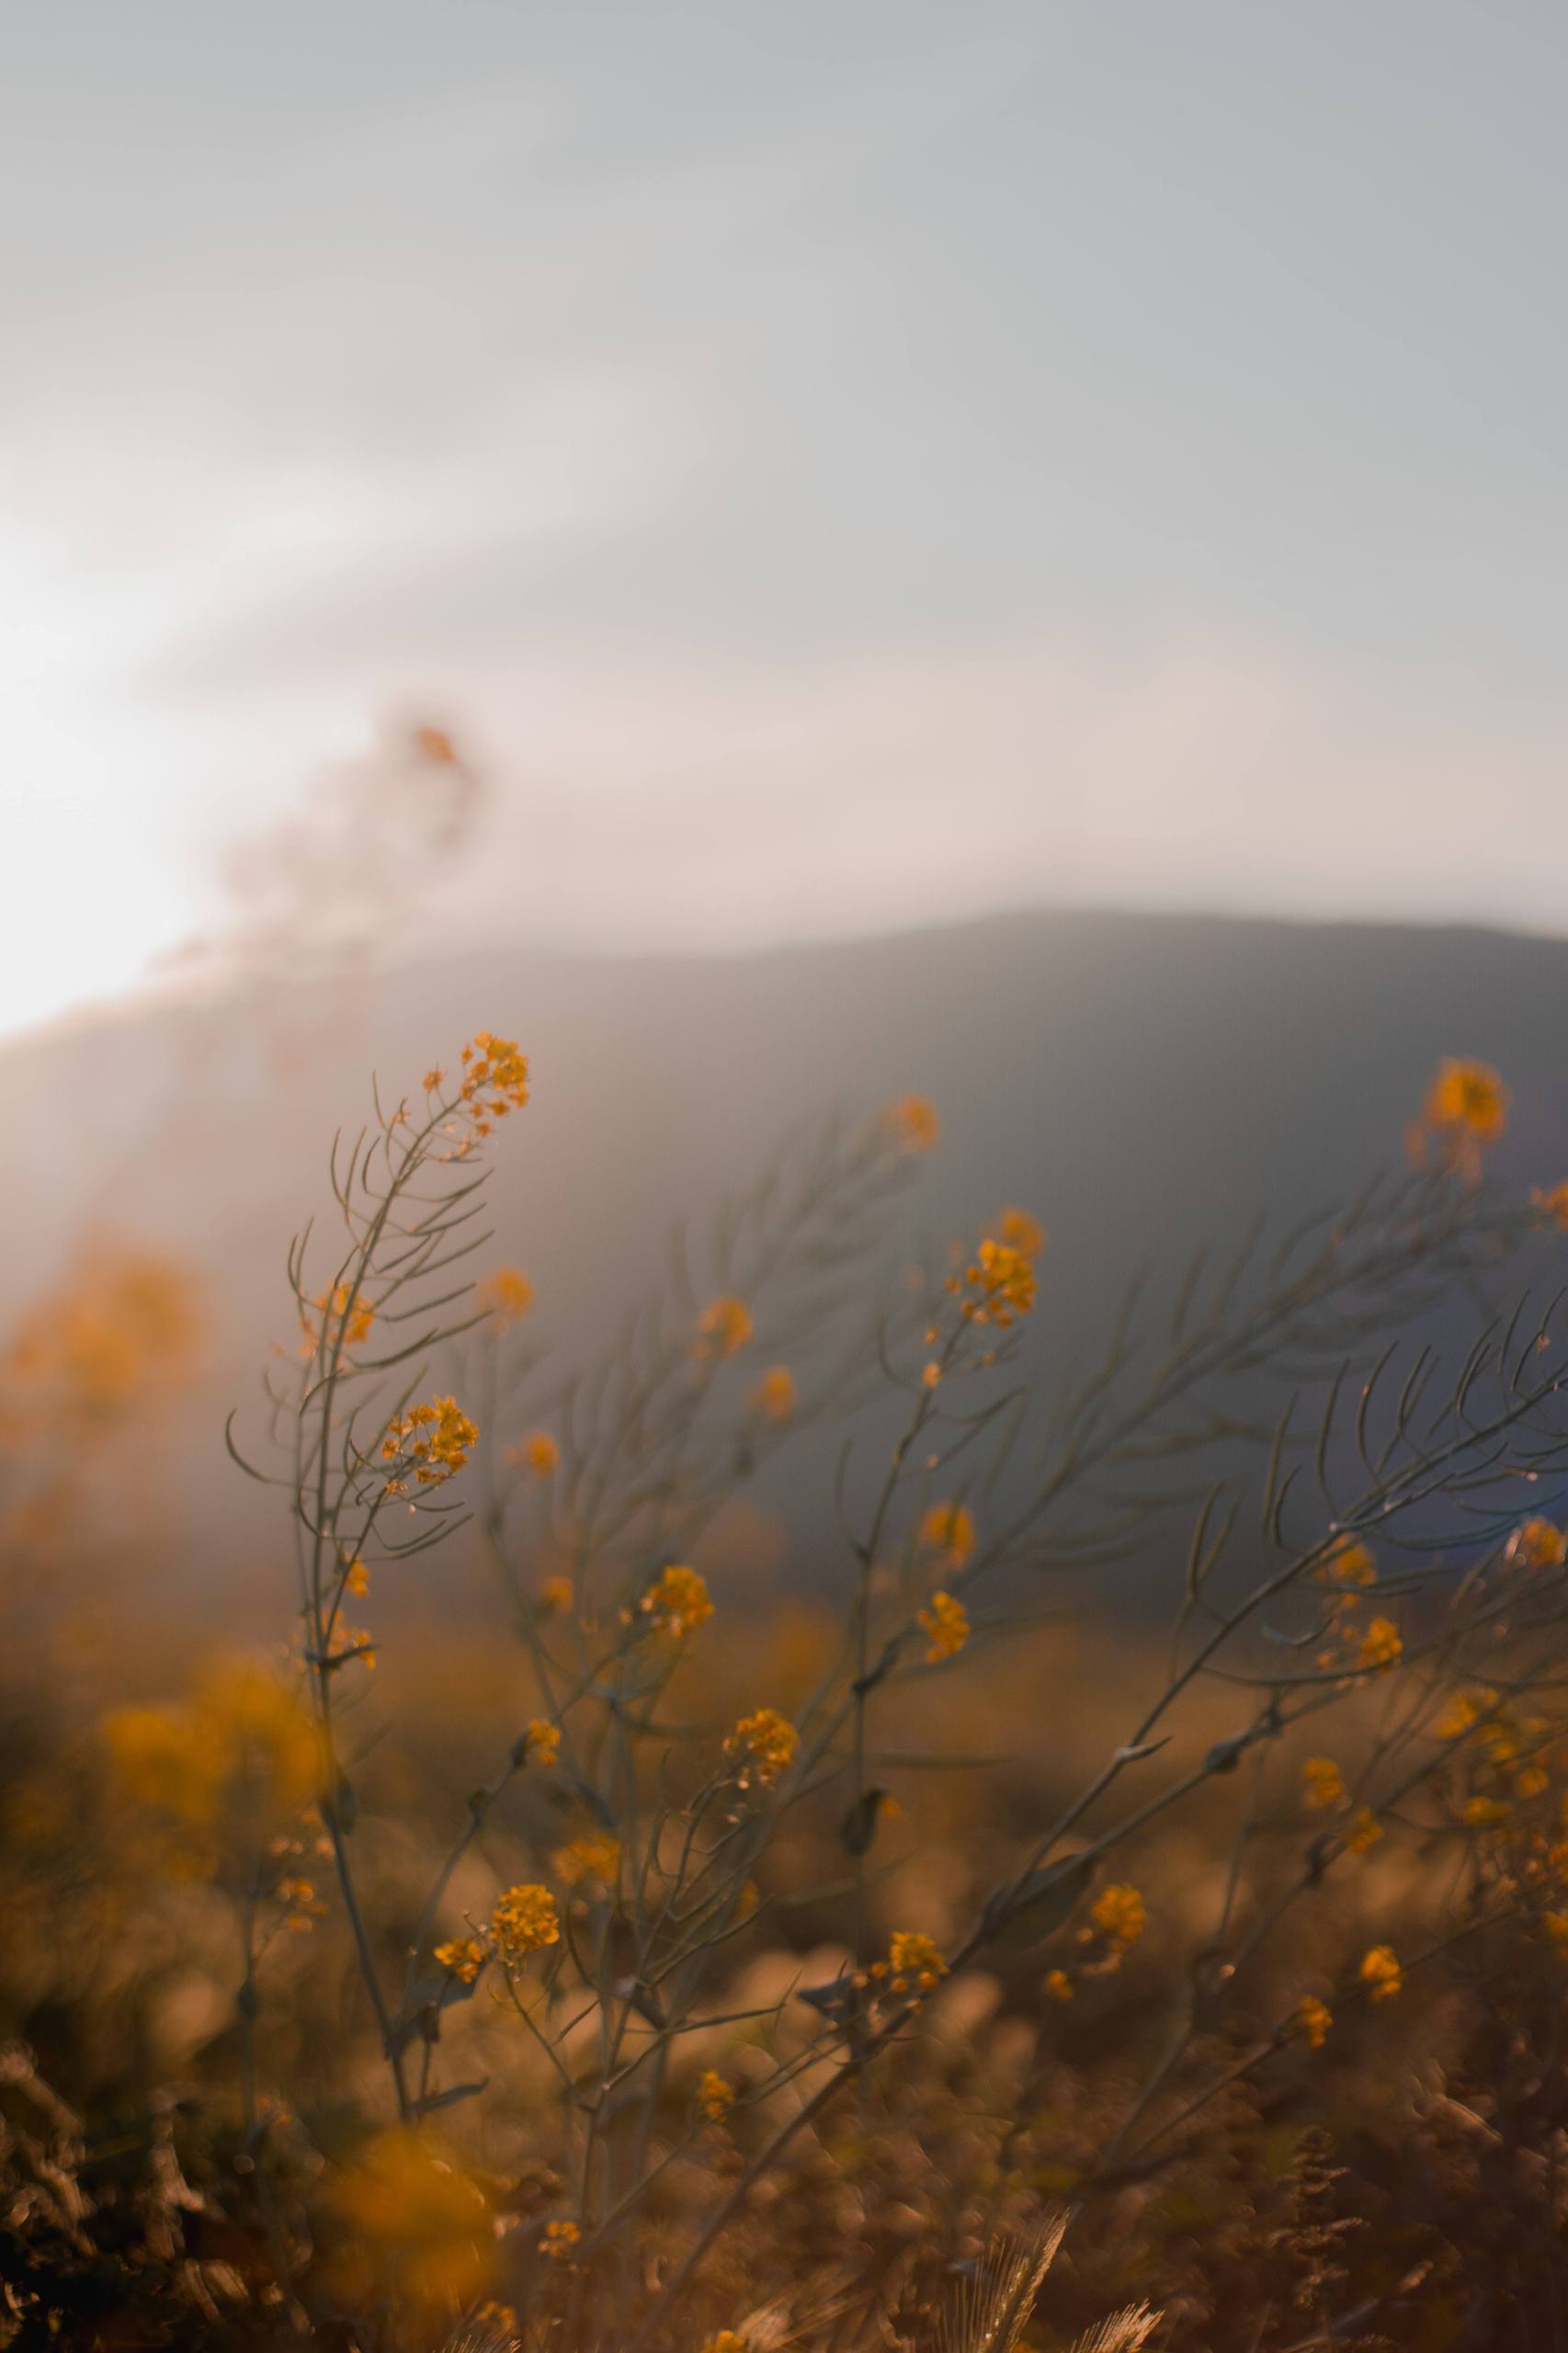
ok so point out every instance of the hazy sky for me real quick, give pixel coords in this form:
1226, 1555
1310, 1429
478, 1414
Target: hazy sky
840, 463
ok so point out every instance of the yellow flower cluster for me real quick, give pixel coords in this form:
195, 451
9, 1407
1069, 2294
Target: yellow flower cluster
913, 1965
1020, 1231
537, 1453
1120, 1915
1553, 1204
1363, 1833
1537, 1544
1380, 1645
594, 1857
505, 1296
541, 1743
494, 1079
946, 1621
761, 1747
715, 2098
525, 1920
464, 1959
346, 1318
1324, 1784
409, 2214
433, 1441
776, 1395
1314, 2018
1381, 1974
1002, 1279
948, 1528
723, 1326
912, 1122
1467, 1096
559, 2240
676, 1602
1348, 1562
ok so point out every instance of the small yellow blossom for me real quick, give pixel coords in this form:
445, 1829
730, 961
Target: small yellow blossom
715, 2098
1020, 1231
433, 1441
1532, 1783
541, 1743
1485, 1813
1349, 1561
1467, 1096
1314, 2018
1059, 1985
356, 1578
1003, 1281
505, 1296
432, 1079
434, 745
948, 1528
1119, 1914
301, 1901
1381, 1974
761, 1747
915, 1963
1556, 1927
1381, 1645
464, 1959
411, 2217
1553, 1204
775, 1394
346, 1319
555, 1594
1463, 1712
1324, 1784
525, 1919
913, 1123
539, 1453
676, 1602
946, 1621
1538, 1545
559, 2240
931, 1376
1363, 1833
595, 1856
723, 1326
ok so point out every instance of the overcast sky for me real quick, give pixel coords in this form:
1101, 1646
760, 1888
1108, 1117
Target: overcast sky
840, 464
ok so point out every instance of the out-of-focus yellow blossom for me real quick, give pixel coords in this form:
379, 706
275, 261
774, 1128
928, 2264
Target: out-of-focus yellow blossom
1463, 1712
1381, 1974
948, 1528
436, 747
745, 1899
1538, 1545
1468, 1095
761, 1747
1486, 1813
715, 2098
494, 1079
356, 1578
776, 1395
300, 1902
676, 1602
723, 1328
505, 1296
541, 1743
1314, 2018
1324, 1783
241, 1742
946, 1621
1003, 1282
1556, 1927
1119, 1914
559, 2241
931, 1375
1059, 1985
525, 1920
595, 1856
434, 1078
914, 1963
1553, 1204
537, 1453
1349, 1561
414, 2219
911, 1121
1020, 1231
346, 1319
464, 1959
433, 1441
1364, 1831
555, 1594
1380, 1645
1532, 1783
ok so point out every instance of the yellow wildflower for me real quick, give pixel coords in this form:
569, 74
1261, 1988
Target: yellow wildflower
407, 2211
915, 1963
1059, 1985
948, 1528
432, 1079
947, 1623
776, 1395
555, 1594
495, 1077
723, 1326
505, 1296
434, 745
1538, 1545
1020, 1231
433, 1441
1469, 1097
541, 1743
356, 1578
761, 1747
1381, 1645
525, 1919
346, 1318
1532, 1783
1349, 1561
1553, 1204
559, 2240
1119, 1914
539, 1453
1461, 1713
463, 1958
1485, 1813
676, 1602
1381, 1974
595, 1856
913, 1123
1003, 1281
1314, 2018
1364, 1832
1324, 1784
715, 2098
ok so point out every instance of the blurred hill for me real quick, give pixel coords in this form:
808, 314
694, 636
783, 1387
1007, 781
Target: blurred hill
1143, 1083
